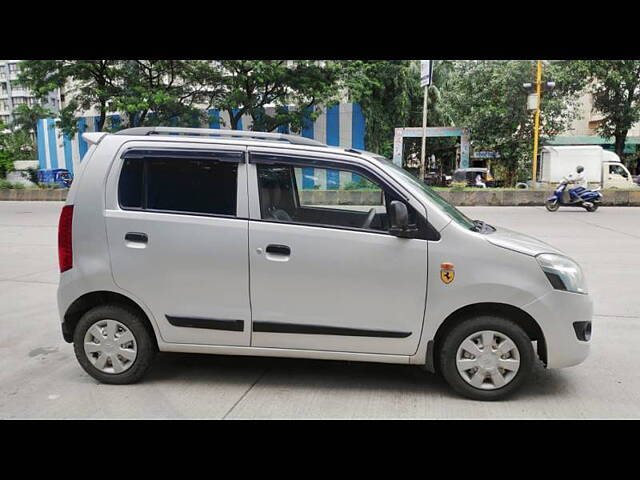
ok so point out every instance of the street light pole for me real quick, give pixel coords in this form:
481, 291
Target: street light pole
536, 125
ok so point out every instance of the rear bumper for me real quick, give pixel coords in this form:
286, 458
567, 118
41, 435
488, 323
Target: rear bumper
556, 313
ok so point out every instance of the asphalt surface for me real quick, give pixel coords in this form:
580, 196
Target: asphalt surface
40, 377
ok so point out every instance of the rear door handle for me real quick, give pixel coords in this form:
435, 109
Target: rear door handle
278, 249
136, 237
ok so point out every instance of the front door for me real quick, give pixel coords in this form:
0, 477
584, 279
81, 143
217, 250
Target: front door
325, 272
617, 176
178, 235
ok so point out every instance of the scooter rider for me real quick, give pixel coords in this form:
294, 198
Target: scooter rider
579, 180
578, 196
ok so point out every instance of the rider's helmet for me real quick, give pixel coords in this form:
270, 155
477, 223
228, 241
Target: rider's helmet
579, 169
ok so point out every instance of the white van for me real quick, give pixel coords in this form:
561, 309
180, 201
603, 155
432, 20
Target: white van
244, 243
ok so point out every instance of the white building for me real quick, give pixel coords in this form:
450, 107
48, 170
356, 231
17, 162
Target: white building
12, 95
583, 130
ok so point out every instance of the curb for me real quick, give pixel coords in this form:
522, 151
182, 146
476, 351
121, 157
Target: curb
34, 194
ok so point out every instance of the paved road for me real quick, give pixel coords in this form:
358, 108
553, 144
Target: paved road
39, 377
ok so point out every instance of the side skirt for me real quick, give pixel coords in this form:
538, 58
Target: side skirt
283, 352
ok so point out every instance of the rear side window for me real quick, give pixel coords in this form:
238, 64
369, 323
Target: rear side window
191, 182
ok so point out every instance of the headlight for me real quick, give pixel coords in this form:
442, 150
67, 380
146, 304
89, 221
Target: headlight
563, 273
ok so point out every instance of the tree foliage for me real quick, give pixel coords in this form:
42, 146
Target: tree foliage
615, 89
178, 92
25, 117
248, 86
390, 95
14, 145
91, 83
488, 97
161, 92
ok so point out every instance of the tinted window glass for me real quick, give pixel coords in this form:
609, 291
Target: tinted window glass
199, 186
179, 185
130, 186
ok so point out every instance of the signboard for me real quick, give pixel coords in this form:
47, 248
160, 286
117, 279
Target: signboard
426, 69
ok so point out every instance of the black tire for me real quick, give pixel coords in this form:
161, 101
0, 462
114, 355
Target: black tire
146, 346
449, 348
552, 206
593, 208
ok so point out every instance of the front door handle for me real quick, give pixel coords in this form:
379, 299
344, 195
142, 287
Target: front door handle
136, 237
278, 249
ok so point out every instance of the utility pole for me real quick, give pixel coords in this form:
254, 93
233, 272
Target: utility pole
426, 70
424, 134
536, 125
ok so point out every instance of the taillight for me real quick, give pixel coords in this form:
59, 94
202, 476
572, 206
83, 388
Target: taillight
65, 250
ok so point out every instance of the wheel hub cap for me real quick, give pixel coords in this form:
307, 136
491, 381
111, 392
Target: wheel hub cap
110, 346
488, 360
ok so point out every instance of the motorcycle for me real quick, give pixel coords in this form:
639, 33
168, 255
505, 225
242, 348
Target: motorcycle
576, 197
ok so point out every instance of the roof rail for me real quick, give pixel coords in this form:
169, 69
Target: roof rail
215, 132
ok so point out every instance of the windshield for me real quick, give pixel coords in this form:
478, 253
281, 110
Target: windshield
457, 216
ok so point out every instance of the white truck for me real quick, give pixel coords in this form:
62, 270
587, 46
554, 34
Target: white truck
600, 166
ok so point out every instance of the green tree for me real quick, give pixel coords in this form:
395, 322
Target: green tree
246, 86
14, 145
488, 97
390, 95
162, 92
615, 89
148, 92
87, 83
25, 117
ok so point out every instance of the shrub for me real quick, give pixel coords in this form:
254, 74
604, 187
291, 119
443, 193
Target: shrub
7, 184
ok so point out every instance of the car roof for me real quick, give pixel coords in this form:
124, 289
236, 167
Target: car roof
248, 138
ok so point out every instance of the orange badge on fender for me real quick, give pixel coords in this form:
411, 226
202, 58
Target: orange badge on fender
447, 273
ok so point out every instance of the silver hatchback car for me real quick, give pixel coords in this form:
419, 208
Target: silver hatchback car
244, 243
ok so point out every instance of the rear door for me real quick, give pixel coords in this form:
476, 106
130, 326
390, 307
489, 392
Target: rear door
176, 218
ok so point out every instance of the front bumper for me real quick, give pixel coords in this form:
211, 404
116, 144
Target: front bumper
556, 312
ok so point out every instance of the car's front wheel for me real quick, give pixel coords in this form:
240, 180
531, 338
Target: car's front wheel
486, 358
113, 344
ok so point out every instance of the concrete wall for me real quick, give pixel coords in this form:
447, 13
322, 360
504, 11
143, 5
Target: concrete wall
349, 197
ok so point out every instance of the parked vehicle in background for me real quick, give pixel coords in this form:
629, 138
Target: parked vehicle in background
57, 176
164, 227
600, 166
434, 179
468, 176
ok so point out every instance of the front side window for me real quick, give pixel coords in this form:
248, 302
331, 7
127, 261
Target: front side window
455, 214
332, 197
617, 170
185, 185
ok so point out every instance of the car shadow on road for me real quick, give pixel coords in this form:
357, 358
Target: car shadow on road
287, 373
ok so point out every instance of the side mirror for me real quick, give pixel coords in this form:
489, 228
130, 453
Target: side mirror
399, 220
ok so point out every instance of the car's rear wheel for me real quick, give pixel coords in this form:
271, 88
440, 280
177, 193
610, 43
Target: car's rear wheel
486, 358
113, 344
